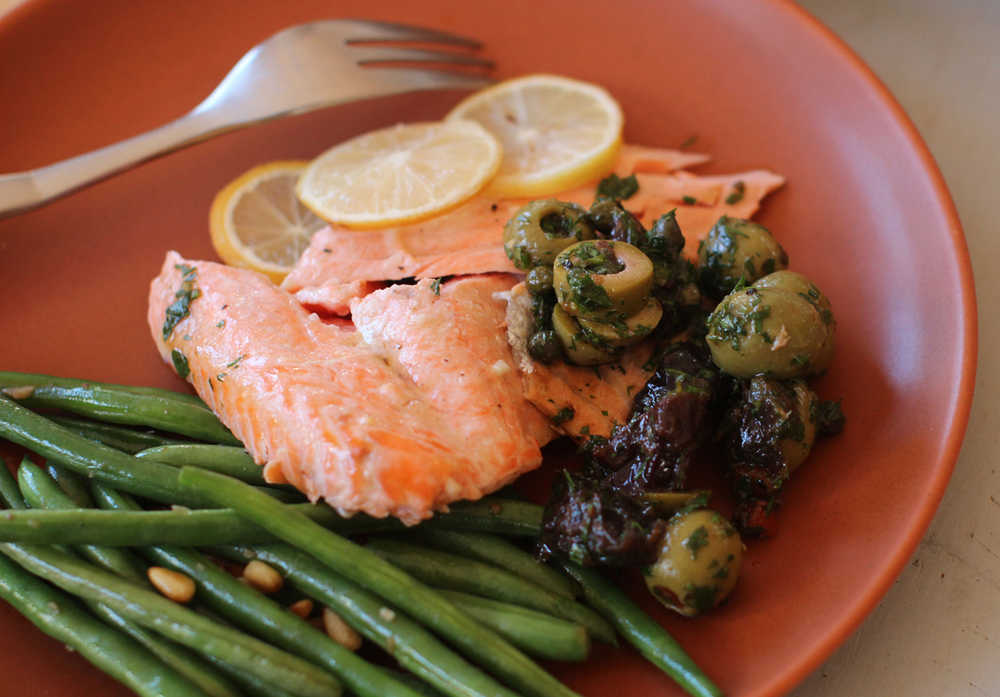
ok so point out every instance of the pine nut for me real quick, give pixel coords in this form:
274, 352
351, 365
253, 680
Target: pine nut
263, 577
173, 585
340, 631
303, 608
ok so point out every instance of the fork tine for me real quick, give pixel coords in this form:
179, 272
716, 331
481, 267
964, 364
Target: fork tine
392, 79
365, 55
362, 30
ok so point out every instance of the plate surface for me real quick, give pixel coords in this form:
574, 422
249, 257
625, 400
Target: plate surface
865, 214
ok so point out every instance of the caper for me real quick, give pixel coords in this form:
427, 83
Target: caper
624, 332
737, 249
577, 349
542, 229
539, 279
699, 562
769, 331
544, 346
665, 235
613, 221
602, 279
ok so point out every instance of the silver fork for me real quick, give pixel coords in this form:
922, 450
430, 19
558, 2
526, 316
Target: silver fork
299, 69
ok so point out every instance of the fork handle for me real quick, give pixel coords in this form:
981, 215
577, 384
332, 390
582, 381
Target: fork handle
22, 191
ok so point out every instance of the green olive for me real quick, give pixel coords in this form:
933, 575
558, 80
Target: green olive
623, 332
542, 229
735, 249
786, 410
768, 331
539, 279
602, 279
797, 283
576, 348
699, 562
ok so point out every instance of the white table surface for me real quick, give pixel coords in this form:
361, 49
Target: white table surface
937, 632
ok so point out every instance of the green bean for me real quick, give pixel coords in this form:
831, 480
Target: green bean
162, 649
86, 457
10, 379
265, 618
649, 638
411, 645
495, 515
366, 569
498, 552
59, 616
160, 409
186, 527
227, 459
252, 685
178, 658
444, 570
71, 485
40, 491
534, 632
174, 621
122, 438
10, 492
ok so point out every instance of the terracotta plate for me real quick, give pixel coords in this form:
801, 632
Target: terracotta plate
865, 214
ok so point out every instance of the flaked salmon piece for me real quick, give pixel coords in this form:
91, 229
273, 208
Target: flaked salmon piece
579, 401
469, 239
336, 411
640, 158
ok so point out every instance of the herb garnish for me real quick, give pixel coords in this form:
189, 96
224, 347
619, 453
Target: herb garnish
185, 295
618, 187
436, 286
563, 415
689, 200
696, 540
180, 362
739, 188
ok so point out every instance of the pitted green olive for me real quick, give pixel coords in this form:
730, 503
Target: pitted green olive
768, 331
576, 348
623, 332
602, 279
542, 229
699, 562
735, 249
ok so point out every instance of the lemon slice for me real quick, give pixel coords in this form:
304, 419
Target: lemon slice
257, 222
556, 133
400, 174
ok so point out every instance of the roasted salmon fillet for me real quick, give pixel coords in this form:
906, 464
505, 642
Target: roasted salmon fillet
340, 261
415, 405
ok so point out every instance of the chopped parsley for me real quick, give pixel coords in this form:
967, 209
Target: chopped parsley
689, 200
563, 415
235, 363
185, 295
689, 141
739, 189
436, 286
696, 540
618, 187
180, 362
